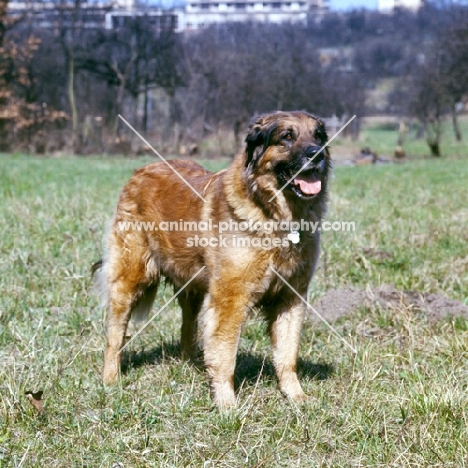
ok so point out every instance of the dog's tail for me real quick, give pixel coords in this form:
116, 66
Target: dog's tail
99, 283
140, 309
95, 267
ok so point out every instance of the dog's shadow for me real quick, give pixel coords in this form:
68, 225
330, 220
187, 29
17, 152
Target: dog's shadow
250, 367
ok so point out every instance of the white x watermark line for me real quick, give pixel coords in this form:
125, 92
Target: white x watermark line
311, 159
162, 159
313, 310
161, 309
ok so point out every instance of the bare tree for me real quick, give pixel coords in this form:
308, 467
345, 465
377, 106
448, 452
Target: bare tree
242, 69
134, 59
23, 119
70, 29
454, 57
428, 101
438, 81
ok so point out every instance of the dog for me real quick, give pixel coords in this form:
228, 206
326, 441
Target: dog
278, 179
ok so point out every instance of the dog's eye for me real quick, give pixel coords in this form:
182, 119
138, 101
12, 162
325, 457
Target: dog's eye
288, 136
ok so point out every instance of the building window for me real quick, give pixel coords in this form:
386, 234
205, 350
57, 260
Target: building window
276, 5
241, 6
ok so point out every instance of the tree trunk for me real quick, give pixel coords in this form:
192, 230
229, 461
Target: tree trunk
146, 98
237, 132
402, 130
71, 98
433, 136
435, 148
456, 127
119, 102
144, 124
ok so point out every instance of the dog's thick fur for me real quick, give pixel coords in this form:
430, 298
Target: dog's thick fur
235, 279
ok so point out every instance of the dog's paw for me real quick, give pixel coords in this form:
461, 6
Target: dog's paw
299, 398
224, 396
110, 374
292, 389
110, 379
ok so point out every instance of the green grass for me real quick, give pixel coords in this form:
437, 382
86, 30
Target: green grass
401, 401
415, 212
383, 138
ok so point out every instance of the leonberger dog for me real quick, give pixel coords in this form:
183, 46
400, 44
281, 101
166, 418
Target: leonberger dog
221, 274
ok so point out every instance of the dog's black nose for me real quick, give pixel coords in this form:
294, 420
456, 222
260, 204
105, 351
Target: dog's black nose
311, 151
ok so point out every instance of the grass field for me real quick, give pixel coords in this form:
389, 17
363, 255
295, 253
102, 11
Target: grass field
381, 136
400, 401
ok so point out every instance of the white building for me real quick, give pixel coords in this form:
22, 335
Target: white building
125, 4
199, 14
388, 6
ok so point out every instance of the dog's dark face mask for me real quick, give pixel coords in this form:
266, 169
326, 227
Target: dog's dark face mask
291, 145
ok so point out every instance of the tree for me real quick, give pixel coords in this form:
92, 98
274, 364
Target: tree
238, 70
438, 80
428, 101
22, 118
70, 34
454, 58
134, 59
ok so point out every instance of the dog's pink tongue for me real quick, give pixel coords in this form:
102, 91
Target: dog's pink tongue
308, 184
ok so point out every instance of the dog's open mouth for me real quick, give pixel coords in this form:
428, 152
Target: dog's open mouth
308, 183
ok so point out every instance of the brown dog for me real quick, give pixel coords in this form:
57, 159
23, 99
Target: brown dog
241, 263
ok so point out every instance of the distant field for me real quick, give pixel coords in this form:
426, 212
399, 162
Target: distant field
382, 136
401, 401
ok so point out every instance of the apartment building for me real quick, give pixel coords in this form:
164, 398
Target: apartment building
202, 13
195, 15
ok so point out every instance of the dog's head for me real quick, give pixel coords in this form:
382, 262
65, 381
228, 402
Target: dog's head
284, 150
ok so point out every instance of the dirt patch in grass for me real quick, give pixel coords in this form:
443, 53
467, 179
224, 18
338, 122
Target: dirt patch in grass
341, 302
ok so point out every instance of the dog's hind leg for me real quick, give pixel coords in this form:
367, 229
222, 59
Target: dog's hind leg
128, 290
190, 303
120, 303
123, 302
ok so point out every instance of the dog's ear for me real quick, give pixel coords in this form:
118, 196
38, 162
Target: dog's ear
321, 132
257, 139
254, 141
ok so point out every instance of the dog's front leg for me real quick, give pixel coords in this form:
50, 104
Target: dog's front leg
222, 322
285, 324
